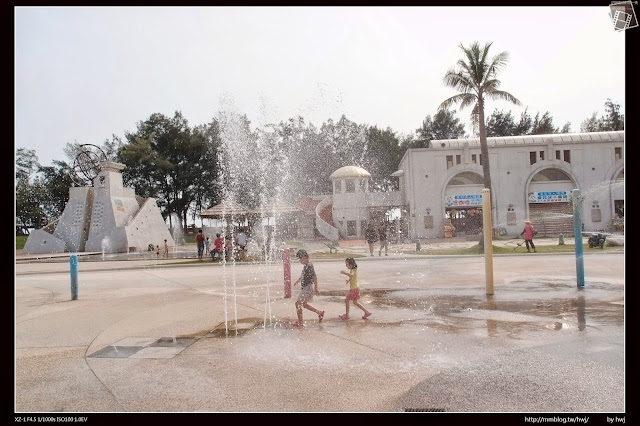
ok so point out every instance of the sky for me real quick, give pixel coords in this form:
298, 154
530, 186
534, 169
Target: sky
85, 74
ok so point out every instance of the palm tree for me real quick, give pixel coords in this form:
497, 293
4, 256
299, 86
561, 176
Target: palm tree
476, 81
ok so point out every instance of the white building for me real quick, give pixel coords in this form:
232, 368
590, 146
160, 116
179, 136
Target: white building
532, 177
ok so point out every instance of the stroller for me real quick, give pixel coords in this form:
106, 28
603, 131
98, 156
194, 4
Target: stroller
597, 240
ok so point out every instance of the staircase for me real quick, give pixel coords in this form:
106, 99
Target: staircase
327, 214
552, 219
324, 220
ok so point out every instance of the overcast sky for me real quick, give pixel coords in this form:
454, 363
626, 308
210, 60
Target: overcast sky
83, 74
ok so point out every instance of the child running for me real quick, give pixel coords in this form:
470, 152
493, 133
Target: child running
354, 290
309, 286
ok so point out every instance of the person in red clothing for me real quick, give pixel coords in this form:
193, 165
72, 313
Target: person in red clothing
527, 233
217, 248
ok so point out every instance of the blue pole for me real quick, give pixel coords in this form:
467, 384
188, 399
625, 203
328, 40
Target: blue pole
577, 233
73, 261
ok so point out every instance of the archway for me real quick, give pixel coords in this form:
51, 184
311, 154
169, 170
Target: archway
463, 202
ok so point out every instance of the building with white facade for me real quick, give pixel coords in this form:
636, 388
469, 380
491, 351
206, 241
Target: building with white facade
533, 177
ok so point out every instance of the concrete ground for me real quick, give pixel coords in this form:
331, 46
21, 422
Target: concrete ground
156, 336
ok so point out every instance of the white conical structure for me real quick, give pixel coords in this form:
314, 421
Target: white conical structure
106, 218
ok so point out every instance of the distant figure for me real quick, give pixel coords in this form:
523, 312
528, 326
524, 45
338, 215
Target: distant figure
354, 288
370, 236
200, 243
157, 252
166, 249
527, 233
217, 247
242, 243
207, 246
384, 243
242, 239
228, 247
267, 245
308, 287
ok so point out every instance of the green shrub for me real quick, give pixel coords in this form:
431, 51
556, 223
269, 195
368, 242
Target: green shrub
20, 241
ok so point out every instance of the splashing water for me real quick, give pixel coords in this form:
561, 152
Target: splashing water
255, 174
176, 232
105, 246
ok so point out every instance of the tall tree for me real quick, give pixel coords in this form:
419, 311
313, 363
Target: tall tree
41, 192
382, 158
501, 124
612, 121
444, 125
476, 79
28, 190
165, 161
566, 128
524, 125
543, 125
56, 181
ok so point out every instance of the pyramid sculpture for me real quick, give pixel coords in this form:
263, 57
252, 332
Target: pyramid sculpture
105, 217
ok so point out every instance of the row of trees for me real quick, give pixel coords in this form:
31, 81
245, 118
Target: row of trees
188, 169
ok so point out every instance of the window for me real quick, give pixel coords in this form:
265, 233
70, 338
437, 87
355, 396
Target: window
567, 155
473, 159
458, 159
532, 157
541, 155
362, 184
351, 186
618, 154
449, 161
558, 155
336, 186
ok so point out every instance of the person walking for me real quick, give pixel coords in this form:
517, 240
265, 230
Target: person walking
200, 243
384, 243
527, 233
308, 287
166, 249
354, 289
370, 236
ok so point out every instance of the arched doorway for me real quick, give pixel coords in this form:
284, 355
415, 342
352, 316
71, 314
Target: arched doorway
463, 203
549, 202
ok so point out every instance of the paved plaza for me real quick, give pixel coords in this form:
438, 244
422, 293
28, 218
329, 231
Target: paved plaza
158, 336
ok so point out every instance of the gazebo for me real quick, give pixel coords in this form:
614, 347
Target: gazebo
289, 219
230, 212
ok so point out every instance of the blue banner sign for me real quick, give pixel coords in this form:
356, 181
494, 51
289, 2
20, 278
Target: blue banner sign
549, 197
471, 200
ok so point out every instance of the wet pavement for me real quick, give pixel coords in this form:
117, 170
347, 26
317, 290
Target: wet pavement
149, 336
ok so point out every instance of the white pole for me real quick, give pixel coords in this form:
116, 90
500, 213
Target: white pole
488, 240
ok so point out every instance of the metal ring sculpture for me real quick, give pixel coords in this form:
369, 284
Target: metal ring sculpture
86, 165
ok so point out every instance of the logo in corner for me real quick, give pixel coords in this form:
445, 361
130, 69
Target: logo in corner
623, 15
